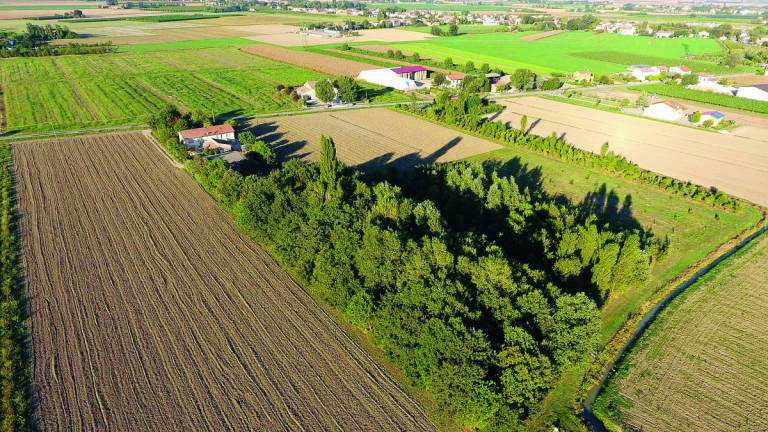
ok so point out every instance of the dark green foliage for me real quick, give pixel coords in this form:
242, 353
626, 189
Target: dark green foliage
438, 79
523, 79
348, 89
478, 290
690, 79
551, 84
325, 91
16, 402
460, 113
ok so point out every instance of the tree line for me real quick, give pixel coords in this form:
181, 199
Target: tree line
34, 43
479, 291
462, 112
15, 398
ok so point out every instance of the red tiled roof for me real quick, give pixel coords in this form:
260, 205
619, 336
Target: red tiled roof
456, 76
206, 131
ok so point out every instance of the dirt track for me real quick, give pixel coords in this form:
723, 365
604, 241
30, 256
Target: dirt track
150, 312
735, 164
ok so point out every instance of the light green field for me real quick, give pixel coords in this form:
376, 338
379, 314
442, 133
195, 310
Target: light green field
75, 92
47, 7
170, 46
566, 52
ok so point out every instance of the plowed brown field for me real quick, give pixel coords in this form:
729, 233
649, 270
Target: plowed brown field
318, 62
150, 312
369, 139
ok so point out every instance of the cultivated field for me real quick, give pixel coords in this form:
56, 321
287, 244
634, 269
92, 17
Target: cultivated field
746, 80
567, 52
701, 363
373, 35
737, 165
369, 139
149, 311
47, 93
310, 60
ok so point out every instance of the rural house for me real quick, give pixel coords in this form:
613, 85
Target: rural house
680, 70
585, 75
642, 72
667, 110
454, 79
501, 83
715, 116
757, 92
220, 136
307, 91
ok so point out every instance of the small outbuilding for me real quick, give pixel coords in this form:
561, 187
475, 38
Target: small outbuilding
667, 110
585, 75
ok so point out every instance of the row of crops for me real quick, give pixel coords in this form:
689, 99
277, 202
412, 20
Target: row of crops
706, 97
42, 94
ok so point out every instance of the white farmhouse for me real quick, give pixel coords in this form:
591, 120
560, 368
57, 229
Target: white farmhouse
220, 136
642, 72
664, 34
679, 70
667, 110
757, 92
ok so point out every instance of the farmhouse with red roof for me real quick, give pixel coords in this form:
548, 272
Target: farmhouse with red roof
219, 136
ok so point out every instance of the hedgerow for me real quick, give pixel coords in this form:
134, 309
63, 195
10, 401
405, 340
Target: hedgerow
15, 399
461, 112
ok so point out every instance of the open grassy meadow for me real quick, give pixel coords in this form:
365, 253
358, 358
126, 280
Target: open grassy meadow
701, 364
567, 52
47, 93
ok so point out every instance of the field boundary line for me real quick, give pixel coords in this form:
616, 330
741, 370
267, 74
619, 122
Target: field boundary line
109, 129
147, 133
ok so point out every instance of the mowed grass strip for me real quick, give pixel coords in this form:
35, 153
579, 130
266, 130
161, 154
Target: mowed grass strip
558, 53
701, 363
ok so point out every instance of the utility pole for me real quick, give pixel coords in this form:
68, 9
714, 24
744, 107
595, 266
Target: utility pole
213, 115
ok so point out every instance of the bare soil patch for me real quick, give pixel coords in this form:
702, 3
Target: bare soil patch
534, 37
736, 164
149, 311
701, 364
373, 35
310, 60
369, 139
748, 80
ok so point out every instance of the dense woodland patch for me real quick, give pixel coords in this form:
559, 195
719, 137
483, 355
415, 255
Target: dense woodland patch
480, 292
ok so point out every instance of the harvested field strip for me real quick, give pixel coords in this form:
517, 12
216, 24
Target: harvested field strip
397, 62
393, 138
543, 35
154, 313
318, 62
700, 365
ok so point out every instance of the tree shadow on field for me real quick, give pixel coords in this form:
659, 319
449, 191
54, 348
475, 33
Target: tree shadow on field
609, 207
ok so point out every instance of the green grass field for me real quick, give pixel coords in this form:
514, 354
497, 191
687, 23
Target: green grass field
170, 46
563, 53
694, 230
463, 28
76, 92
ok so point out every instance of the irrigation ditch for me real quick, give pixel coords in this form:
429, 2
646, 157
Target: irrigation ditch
589, 418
